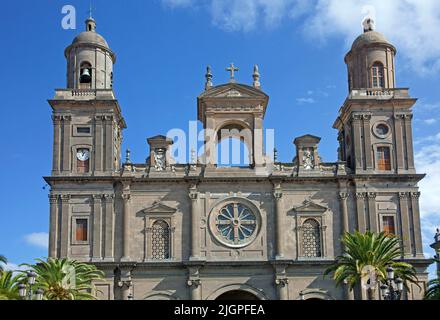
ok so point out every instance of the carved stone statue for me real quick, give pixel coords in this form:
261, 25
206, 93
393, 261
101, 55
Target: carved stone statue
308, 160
159, 159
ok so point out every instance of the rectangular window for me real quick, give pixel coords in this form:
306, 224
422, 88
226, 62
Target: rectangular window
83, 130
388, 225
81, 230
383, 158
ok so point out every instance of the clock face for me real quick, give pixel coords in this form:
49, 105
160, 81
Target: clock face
83, 154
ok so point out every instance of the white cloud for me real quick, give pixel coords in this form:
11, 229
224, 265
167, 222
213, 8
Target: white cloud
430, 121
38, 239
305, 100
411, 25
14, 267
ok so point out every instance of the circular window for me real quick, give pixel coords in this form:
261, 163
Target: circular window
235, 224
381, 130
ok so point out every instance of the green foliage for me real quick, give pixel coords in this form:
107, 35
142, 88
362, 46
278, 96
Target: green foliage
8, 285
3, 260
369, 249
433, 292
64, 279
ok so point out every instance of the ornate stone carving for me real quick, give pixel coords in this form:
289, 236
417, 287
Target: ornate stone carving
282, 282
108, 197
371, 195
126, 196
308, 159
194, 283
403, 195
53, 198
160, 159
415, 195
65, 198
343, 195
360, 195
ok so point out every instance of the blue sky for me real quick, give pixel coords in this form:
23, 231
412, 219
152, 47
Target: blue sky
163, 47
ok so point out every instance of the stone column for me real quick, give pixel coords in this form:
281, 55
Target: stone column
195, 286
258, 141
372, 211
282, 288
418, 245
65, 224
126, 227
405, 224
98, 144
358, 152
343, 202
56, 165
67, 131
360, 208
279, 216
195, 224
409, 142
367, 142
109, 227
53, 231
97, 227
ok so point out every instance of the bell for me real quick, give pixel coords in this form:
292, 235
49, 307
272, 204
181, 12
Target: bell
85, 75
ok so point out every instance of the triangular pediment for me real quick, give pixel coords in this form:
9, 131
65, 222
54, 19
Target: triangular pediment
310, 206
160, 208
233, 90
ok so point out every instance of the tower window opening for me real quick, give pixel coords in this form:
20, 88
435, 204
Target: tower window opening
377, 75
85, 74
384, 158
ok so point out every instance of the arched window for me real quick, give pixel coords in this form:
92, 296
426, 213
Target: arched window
311, 239
377, 75
160, 240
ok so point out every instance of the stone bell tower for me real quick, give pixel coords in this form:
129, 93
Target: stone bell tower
86, 116
375, 122
233, 110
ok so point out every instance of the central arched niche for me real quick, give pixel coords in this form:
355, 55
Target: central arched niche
234, 145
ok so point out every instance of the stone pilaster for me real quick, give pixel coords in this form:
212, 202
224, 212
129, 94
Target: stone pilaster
409, 142
398, 129
108, 156
98, 143
360, 209
195, 223
356, 121
97, 228
371, 196
418, 244
367, 142
126, 227
67, 131
109, 228
53, 230
279, 214
56, 164
405, 233
65, 226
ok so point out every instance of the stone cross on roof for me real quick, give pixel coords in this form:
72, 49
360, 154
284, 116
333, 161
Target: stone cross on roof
232, 70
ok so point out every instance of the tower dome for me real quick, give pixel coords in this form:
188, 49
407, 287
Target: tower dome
89, 60
370, 61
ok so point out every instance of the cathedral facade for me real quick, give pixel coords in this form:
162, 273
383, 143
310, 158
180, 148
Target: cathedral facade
162, 230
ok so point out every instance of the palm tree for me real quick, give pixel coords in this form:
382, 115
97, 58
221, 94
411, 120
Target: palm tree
376, 251
3, 260
433, 292
64, 279
8, 285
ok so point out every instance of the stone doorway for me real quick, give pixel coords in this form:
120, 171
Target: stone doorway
237, 295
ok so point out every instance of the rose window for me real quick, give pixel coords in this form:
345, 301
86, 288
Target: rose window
235, 225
